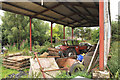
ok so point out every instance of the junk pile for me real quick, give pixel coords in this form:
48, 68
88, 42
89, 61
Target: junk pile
48, 65
16, 61
44, 66
70, 58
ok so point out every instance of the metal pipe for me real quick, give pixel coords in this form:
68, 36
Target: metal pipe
41, 69
51, 33
63, 32
101, 33
72, 33
56, 69
30, 35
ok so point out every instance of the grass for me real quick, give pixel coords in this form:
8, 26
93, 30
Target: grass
80, 73
113, 63
5, 72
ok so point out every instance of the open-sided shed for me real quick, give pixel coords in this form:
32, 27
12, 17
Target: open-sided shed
72, 14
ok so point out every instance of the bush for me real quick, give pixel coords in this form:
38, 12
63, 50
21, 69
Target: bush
113, 62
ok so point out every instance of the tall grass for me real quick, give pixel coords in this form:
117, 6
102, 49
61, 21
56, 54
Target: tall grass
113, 63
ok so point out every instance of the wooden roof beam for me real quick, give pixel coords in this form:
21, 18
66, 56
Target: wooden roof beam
88, 11
47, 10
82, 5
30, 11
55, 11
84, 16
78, 13
67, 16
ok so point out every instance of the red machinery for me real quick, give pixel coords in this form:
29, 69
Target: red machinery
72, 47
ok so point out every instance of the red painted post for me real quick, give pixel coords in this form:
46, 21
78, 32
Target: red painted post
30, 36
72, 33
101, 33
63, 32
51, 33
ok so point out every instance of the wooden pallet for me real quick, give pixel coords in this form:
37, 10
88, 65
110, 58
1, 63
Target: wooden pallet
16, 65
17, 68
11, 55
16, 62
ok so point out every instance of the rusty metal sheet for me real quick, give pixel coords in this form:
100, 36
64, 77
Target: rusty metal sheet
65, 62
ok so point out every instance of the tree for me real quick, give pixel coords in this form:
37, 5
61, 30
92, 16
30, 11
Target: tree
39, 31
15, 29
95, 35
68, 32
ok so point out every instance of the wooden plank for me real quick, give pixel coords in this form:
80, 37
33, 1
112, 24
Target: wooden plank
17, 64
11, 55
11, 67
19, 58
9, 60
93, 57
12, 61
17, 68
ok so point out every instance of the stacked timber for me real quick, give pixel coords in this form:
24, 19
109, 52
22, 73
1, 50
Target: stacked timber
53, 51
16, 61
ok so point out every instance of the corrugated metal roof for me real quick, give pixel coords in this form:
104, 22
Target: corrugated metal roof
73, 14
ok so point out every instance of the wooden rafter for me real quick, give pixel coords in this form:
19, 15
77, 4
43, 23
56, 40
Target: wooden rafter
31, 11
78, 13
88, 11
86, 6
46, 10
55, 11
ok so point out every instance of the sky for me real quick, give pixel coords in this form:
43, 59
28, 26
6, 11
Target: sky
113, 9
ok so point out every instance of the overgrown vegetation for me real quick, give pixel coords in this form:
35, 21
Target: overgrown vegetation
113, 62
79, 73
15, 37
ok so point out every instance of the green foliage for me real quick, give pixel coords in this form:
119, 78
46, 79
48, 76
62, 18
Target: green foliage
95, 35
87, 34
68, 32
40, 49
39, 31
57, 32
84, 32
79, 73
15, 29
113, 63
115, 28
6, 72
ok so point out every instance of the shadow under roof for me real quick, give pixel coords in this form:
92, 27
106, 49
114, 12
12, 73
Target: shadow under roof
72, 14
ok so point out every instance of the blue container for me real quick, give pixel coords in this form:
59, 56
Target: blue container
79, 57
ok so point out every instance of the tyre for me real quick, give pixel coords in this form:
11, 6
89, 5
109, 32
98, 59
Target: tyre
76, 67
70, 52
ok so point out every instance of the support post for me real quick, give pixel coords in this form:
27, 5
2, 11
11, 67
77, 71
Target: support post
63, 32
72, 33
51, 32
101, 33
30, 35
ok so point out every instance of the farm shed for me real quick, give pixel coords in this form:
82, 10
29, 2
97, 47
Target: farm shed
72, 14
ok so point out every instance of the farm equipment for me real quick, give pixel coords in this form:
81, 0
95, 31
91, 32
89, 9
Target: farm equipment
49, 67
69, 57
73, 47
